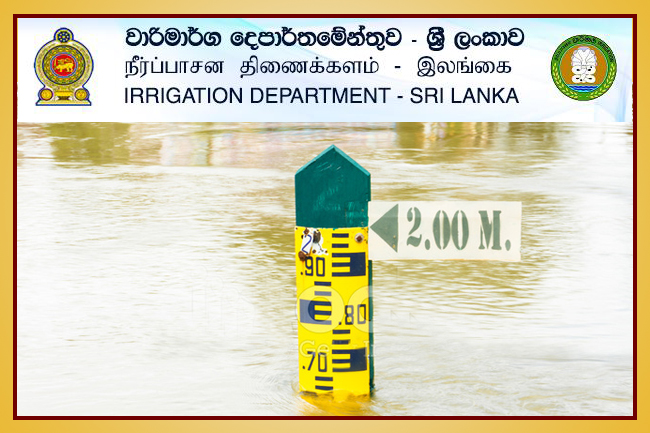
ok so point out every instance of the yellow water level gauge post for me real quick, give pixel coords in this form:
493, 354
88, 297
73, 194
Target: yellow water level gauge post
333, 276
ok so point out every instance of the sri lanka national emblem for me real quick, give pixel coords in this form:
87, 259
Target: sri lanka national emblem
583, 67
64, 66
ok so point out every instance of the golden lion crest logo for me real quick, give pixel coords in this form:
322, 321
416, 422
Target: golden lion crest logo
64, 66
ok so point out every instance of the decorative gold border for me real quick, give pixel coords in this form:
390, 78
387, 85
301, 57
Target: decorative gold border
7, 219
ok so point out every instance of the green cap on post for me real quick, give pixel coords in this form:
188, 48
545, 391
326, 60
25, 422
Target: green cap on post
332, 191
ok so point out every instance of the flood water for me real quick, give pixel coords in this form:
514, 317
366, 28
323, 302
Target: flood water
156, 270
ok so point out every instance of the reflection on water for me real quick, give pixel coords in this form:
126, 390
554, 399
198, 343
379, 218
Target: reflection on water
155, 270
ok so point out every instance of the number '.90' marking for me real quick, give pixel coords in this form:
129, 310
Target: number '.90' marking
320, 266
456, 229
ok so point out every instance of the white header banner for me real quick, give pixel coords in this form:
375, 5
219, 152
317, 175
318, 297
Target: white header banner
324, 69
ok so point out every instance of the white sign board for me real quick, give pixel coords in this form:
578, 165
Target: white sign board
445, 230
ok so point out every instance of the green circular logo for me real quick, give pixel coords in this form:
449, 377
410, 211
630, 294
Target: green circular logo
583, 67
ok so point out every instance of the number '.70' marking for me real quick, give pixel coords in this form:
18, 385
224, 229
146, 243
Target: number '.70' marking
321, 356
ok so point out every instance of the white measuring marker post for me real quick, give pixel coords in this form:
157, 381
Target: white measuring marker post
444, 230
